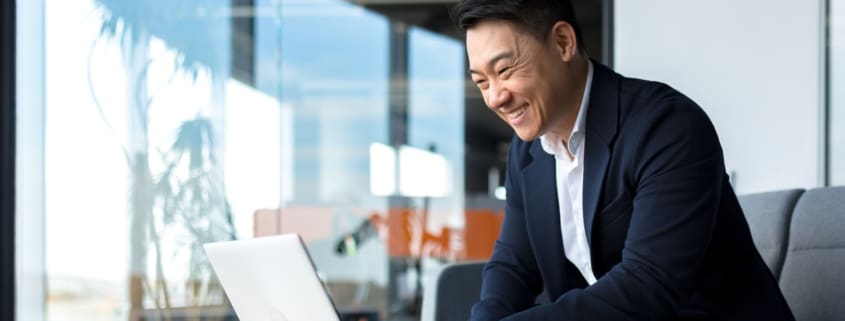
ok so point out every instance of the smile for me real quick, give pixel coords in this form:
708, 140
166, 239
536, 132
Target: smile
516, 113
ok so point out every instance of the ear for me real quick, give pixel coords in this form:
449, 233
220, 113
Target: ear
562, 37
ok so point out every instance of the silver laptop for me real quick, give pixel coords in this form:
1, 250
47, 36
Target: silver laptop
271, 279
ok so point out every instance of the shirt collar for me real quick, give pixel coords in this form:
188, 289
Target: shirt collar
552, 144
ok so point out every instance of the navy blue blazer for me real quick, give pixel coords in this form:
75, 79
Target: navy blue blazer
668, 239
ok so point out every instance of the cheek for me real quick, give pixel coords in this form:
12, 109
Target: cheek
525, 88
484, 98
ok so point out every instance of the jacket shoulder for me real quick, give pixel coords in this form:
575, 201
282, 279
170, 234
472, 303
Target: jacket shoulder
639, 95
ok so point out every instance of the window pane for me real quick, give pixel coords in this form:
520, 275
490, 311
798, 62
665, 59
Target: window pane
167, 125
436, 123
334, 78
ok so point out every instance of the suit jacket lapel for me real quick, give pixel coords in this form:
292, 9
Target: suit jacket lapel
542, 210
538, 176
602, 123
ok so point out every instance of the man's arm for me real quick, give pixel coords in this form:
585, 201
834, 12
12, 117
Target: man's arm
679, 174
511, 280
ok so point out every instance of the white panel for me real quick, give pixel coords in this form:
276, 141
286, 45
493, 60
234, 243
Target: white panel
252, 169
423, 173
837, 92
382, 170
753, 65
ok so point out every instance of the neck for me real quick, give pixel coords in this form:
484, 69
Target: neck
574, 95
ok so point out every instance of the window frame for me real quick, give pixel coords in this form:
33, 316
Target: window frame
7, 165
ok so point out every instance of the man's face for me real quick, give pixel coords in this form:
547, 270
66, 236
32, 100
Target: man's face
521, 78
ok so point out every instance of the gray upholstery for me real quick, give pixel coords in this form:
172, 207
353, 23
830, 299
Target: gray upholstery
801, 236
769, 216
813, 275
453, 289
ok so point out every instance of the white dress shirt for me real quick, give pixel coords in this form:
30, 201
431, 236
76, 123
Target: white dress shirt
569, 179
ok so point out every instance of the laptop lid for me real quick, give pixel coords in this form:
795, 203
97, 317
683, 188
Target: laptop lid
271, 279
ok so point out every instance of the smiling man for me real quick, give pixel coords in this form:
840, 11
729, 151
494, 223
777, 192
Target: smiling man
618, 204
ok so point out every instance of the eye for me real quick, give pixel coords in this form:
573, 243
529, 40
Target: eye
480, 82
503, 70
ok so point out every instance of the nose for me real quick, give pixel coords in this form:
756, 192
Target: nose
497, 96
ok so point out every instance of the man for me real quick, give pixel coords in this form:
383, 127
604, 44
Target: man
617, 200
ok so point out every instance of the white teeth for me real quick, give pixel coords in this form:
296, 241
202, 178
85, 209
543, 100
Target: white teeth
516, 113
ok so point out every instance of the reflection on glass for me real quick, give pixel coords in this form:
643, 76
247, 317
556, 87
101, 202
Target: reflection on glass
333, 74
172, 124
436, 122
146, 158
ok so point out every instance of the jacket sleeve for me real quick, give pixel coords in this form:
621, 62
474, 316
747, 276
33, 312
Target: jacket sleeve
679, 172
511, 280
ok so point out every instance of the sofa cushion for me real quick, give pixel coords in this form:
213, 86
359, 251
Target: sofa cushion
813, 274
769, 216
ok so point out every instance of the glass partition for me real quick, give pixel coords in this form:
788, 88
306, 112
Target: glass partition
167, 125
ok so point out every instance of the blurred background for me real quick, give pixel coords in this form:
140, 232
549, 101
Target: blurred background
146, 128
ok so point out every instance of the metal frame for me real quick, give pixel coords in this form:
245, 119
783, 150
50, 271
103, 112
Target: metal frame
607, 17
7, 159
825, 155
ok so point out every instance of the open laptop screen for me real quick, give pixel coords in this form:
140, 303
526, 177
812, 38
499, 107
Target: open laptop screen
271, 279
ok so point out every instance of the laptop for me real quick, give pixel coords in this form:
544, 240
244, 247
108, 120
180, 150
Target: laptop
271, 279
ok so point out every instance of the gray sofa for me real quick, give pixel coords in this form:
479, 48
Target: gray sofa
802, 238
800, 235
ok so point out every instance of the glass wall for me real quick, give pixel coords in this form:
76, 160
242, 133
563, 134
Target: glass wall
436, 123
167, 125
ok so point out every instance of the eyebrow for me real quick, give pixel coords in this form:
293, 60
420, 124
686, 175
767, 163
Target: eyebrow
496, 58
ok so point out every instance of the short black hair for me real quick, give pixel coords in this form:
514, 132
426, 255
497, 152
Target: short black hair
535, 17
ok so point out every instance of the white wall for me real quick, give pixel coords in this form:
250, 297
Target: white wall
753, 65
837, 92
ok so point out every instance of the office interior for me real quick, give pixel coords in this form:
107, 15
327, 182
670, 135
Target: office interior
133, 132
